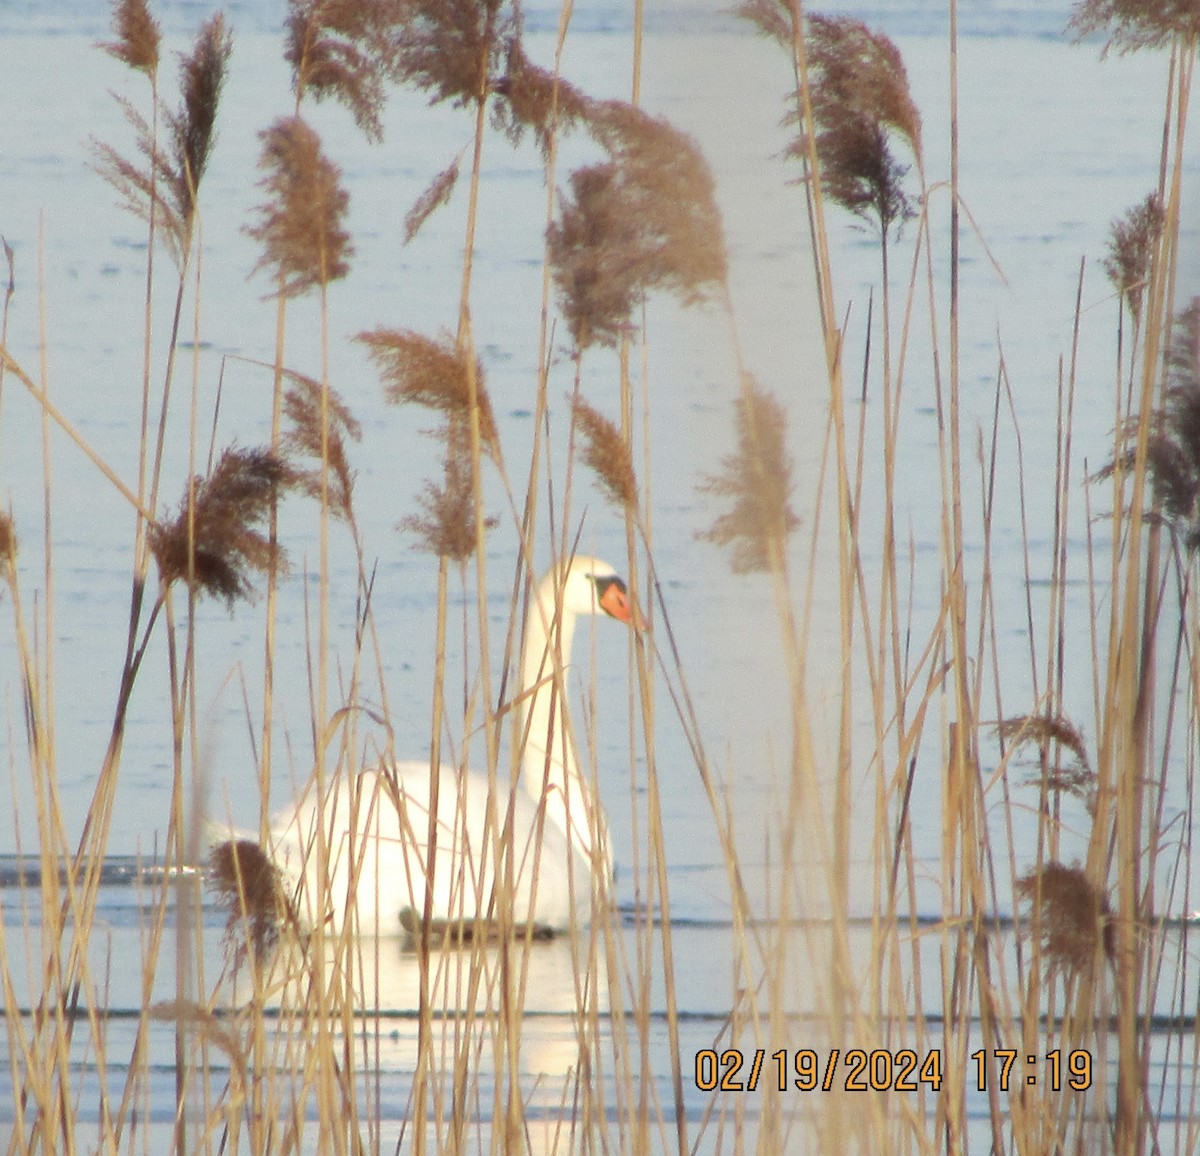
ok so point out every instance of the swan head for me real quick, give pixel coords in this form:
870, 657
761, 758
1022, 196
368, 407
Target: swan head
589, 586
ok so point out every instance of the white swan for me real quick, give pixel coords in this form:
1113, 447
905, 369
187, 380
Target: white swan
374, 826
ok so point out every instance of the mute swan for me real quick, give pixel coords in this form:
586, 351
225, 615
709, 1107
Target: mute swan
375, 825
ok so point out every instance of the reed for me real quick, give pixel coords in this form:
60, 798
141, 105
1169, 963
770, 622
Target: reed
1056, 943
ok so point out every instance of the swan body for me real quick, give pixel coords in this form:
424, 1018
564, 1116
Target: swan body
365, 847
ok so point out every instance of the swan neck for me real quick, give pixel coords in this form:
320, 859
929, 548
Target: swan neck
549, 769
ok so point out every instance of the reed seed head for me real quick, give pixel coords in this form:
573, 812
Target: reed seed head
1075, 778
342, 49
1173, 444
301, 226
1071, 914
1133, 24
439, 192
438, 374
8, 541
757, 477
446, 525
138, 36
645, 219
164, 185
1131, 251
528, 96
598, 257
303, 405
451, 48
248, 885
218, 545
192, 127
671, 188
607, 453
772, 18
859, 98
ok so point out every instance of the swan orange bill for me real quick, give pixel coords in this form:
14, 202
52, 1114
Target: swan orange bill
614, 600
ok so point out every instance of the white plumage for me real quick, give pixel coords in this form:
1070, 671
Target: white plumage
375, 825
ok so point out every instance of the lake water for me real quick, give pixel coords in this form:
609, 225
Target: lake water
1055, 143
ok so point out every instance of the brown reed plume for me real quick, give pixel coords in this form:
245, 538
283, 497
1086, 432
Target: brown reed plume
451, 48
217, 545
532, 97
860, 97
1072, 915
138, 36
1133, 24
446, 525
436, 374
439, 192
343, 49
1131, 251
1173, 447
645, 219
302, 408
248, 886
1076, 778
669, 183
8, 541
169, 179
191, 128
773, 19
597, 253
301, 225
758, 479
607, 454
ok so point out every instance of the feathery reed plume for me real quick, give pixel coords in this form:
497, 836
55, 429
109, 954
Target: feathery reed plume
606, 452
597, 255
436, 374
450, 48
218, 543
1131, 250
758, 478
169, 180
142, 188
440, 190
446, 527
671, 187
1134, 24
1074, 914
1076, 778
343, 49
1173, 447
138, 36
250, 889
645, 219
8, 541
533, 97
302, 406
301, 225
191, 129
860, 95
772, 18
